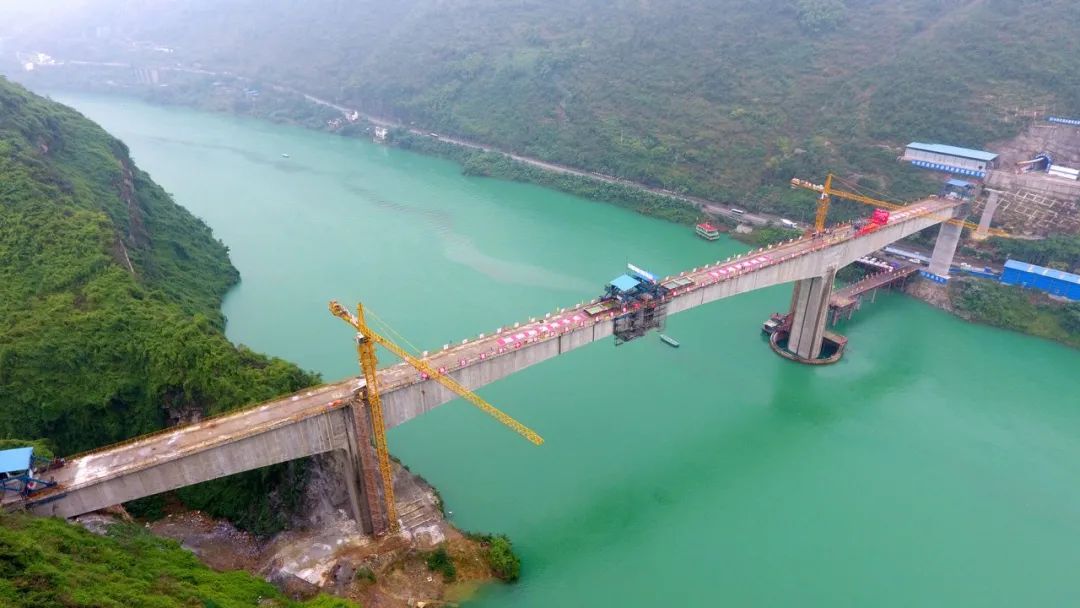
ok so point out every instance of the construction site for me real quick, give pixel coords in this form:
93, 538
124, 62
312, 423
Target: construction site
1035, 187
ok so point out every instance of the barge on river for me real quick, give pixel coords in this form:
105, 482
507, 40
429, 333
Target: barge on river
707, 231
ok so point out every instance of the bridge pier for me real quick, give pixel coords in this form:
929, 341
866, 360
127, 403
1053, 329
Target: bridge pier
987, 216
361, 473
809, 313
944, 250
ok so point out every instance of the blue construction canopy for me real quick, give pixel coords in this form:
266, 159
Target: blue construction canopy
625, 283
17, 459
959, 183
953, 151
1042, 270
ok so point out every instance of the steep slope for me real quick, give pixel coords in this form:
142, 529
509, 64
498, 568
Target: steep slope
47, 562
109, 301
721, 98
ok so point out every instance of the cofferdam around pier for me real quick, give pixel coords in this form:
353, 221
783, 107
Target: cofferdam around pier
933, 465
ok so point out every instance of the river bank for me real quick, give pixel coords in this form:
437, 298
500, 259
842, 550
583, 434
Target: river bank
283, 104
325, 551
230, 93
1009, 307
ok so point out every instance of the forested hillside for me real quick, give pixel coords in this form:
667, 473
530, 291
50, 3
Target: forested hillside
722, 98
109, 302
46, 563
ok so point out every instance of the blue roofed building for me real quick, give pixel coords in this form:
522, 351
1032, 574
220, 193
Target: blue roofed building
1053, 282
17, 473
15, 460
950, 159
958, 188
625, 283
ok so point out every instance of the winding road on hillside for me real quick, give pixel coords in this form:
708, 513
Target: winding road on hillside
708, 207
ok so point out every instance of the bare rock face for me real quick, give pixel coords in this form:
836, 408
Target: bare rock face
326, 551
97, 523
326, 499
935, 294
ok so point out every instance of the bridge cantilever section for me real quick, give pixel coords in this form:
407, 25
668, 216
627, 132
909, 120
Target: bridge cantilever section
323, 419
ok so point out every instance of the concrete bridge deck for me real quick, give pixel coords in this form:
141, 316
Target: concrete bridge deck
316, 421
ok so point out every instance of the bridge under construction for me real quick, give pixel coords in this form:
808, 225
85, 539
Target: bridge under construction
334, 418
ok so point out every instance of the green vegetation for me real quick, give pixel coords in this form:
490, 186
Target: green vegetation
47, 563
1061, 251
498, 165
852, 273
767, 235
500, 555
1014, 308
110, 298
725, 100
439, 561
364, 575
41, 447
820, 15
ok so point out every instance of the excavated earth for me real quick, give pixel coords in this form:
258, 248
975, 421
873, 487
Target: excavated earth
326, 551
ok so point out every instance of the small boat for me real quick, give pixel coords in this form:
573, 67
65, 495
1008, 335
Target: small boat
672, 342
284, 155
775, 321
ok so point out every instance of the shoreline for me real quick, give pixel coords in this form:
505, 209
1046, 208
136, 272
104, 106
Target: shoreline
642, 198
482, 160
486, 161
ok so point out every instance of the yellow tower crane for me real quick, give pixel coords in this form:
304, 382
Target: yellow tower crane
366, 339
826, 192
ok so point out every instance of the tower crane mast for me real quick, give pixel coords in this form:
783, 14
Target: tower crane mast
366, 339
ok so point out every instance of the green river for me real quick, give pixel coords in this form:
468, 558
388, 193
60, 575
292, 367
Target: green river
936, 465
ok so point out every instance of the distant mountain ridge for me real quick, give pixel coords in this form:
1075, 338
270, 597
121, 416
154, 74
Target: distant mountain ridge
719, 98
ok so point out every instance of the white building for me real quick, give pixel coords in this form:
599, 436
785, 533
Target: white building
950, 159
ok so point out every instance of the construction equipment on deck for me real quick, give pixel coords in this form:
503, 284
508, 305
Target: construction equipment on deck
366, 339
826, 191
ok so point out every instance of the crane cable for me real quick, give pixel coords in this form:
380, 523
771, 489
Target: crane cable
876, 193
387, 328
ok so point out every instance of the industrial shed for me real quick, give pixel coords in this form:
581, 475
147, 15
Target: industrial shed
1054, 282
951, 159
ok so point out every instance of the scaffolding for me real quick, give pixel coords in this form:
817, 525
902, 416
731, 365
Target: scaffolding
643, 301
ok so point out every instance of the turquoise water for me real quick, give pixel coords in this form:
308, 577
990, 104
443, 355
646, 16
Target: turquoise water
935, 465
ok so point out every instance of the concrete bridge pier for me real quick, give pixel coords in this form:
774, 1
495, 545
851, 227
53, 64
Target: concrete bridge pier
809, 314
945, 249
360, 473
992, 200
